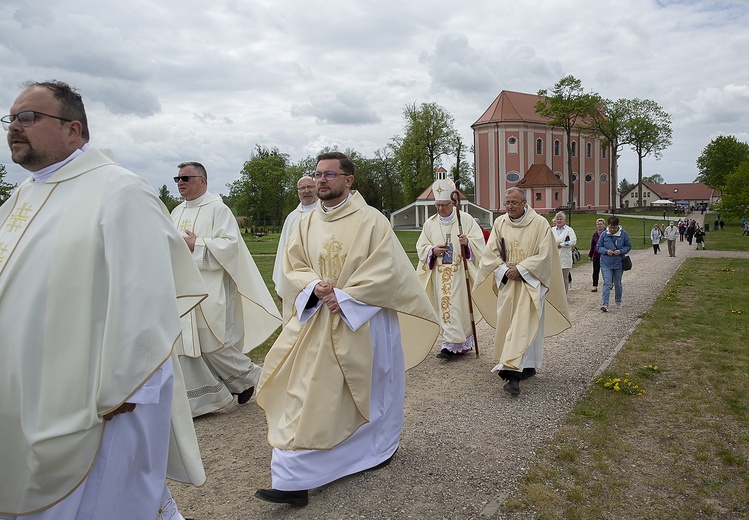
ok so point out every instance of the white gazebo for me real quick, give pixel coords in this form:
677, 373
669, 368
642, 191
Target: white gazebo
415, 214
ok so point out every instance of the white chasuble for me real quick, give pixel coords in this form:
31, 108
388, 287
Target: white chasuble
445, 283
316, 383
92, 284
239, 310
514, 308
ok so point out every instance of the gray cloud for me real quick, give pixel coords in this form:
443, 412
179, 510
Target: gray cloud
343, 108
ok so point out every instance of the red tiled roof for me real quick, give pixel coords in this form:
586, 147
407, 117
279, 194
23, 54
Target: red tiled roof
538, 176
512, 106
682, 190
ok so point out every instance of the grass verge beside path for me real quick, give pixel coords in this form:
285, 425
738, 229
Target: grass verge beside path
680, 450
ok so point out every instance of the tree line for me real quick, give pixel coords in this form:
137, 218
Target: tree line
641, 124
724, 166
265, 191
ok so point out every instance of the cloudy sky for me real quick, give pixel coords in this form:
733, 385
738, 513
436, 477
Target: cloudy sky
173, 80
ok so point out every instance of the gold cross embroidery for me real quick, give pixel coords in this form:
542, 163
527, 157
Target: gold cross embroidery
3, 250
439, 190
185, 225
18, 218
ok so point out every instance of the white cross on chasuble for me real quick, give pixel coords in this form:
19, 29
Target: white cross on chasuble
31, 197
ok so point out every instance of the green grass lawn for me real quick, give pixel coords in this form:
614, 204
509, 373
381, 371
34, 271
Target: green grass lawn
681, 449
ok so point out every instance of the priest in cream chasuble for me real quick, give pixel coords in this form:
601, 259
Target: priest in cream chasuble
519, 287
93, 279
239, 313
333, 384
442, 269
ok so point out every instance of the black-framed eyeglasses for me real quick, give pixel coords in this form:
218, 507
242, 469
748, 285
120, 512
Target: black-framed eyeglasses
329, 175
185, 178
27, 118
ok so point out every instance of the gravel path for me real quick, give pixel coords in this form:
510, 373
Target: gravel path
465, 442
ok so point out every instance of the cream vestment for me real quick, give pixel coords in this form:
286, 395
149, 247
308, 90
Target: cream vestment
325, 370
519, 310
93, 280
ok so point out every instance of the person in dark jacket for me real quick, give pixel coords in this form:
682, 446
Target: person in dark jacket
594, 255
613, 245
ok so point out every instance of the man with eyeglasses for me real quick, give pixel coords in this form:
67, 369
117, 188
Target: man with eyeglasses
520, 291
442, 269
93, 280
307, 193
239, 313
333, 384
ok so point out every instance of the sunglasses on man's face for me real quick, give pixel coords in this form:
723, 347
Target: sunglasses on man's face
185, 178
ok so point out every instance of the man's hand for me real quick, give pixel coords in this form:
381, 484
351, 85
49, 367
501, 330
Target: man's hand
513, 274
440, 250
326, 293
123, 408
463, 240
190, 239
331, 301
322, 289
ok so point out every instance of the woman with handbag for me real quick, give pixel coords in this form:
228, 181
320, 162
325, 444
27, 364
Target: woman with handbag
613, 244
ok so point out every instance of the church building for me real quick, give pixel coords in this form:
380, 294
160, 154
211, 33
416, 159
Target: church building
513, 146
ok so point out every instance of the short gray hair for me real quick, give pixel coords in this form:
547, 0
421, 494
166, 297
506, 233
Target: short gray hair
199, 168
515, 188
561, 214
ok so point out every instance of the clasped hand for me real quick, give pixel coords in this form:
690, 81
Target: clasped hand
326, 293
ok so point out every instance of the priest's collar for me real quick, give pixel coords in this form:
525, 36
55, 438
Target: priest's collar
307, 209
448, 219
326, 209
525, 212
194, 203
46, 172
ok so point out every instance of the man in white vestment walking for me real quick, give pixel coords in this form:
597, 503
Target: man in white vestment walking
239, 313
93, 280
333, 384
519, 289
307, 192
442, 268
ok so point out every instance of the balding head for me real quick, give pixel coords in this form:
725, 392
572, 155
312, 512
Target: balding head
307, 190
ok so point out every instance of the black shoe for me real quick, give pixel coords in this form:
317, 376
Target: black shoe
445, 354
246, 395
512, 387
295, 498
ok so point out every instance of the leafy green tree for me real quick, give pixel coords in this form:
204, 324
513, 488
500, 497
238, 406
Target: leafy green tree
462, 172
262, 188
567, 107
169, 201
647, 131
429, 135
391, 187
656, 178
608, 121
720, 159
735, 200
5, 187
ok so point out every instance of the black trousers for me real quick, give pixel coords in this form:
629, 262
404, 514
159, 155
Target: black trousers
596, 270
